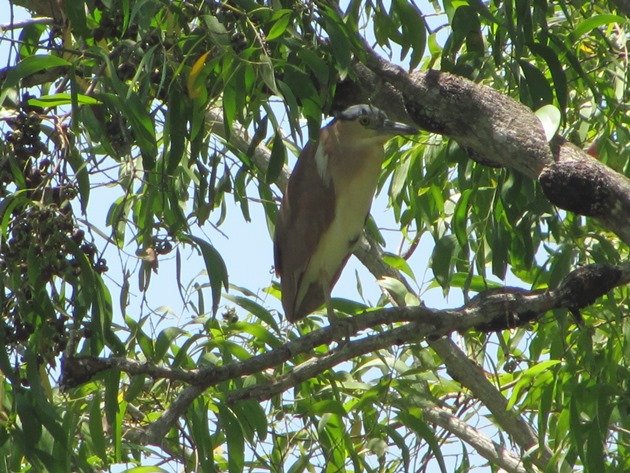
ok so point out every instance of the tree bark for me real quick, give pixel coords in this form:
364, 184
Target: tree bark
497, 131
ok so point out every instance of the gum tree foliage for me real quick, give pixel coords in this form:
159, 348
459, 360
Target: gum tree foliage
169, 104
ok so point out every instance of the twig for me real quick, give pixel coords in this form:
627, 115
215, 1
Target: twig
16, 25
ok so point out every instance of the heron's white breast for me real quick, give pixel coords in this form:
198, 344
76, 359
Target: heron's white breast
353, 201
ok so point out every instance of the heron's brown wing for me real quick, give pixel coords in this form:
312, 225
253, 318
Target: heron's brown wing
307, 210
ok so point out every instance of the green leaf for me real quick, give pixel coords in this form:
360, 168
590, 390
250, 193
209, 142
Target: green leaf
164, 341
29, 39
260, 333
442, 259
348, 306
557, 72
339, 41
293, 110
215, 266
234, 438
475, 283
27, 67
331, 436
320, 408
76, 14
229, 108
113, 410
251, 413
414, 30
7, 206
318, 66
465, 23
550, 117
79, 167
397, 288
595, 22
62, 98
267, 74
539, 368
399, 178
95, 424
540, 92
460, 218
136, 386
500, 246
527, 378
177, 118
30, 424
282, 19
259, 135
595, 456
278, 158
399, 263
400, 442
197, 416
562, 260
102, 318
196, 80
256, 310
140, 121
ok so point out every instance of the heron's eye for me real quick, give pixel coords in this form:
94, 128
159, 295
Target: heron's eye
365, 121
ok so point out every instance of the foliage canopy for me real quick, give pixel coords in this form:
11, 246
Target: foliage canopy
179, 107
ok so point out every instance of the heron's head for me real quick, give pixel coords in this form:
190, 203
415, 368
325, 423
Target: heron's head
365, 124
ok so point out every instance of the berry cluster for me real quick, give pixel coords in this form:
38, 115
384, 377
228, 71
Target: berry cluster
111, 22
42, 244
231, 19
47, 233
23, 147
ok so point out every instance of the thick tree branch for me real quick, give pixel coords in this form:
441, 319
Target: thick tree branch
581, 184
496, 130
497, 310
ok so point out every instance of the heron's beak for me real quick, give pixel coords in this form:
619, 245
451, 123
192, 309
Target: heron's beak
391, 127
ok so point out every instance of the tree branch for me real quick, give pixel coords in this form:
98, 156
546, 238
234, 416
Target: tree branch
497, 310
16, 25
496, 130
491, 451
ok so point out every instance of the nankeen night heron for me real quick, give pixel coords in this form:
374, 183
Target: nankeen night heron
326, 203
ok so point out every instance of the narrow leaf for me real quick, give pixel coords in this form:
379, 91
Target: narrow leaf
62, 98
277, 159
550, 117
195, 82
234, 439
282, 19
215, 266
595, 22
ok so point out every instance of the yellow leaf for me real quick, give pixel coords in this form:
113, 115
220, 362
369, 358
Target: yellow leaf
194, 84
586, 49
